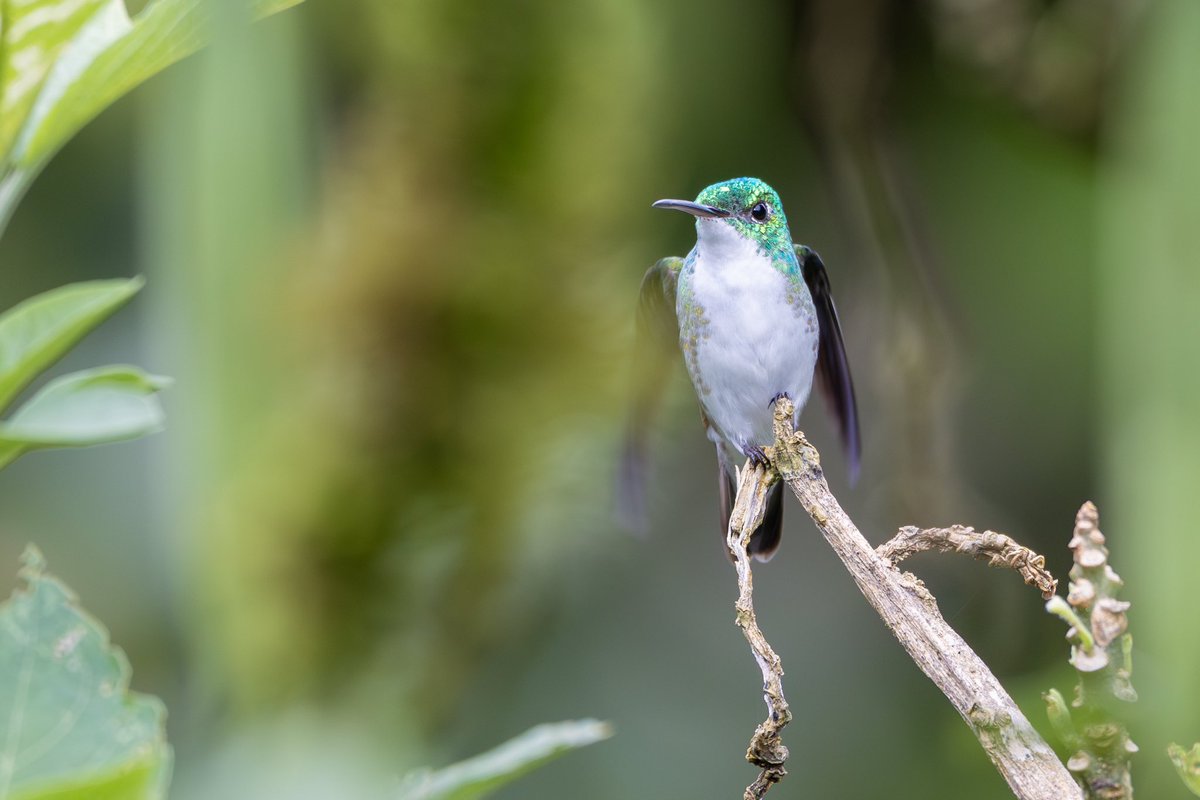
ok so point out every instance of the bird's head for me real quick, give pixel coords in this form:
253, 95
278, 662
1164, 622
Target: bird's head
745, 208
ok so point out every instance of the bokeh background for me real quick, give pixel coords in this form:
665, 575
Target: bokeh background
393, 250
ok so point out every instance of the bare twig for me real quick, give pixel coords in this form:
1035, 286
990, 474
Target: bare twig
766, 748
997, 549
1023, 758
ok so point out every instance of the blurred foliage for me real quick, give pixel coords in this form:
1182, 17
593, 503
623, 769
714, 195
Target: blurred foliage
394, 250
483, 774
449, 378
1148, 285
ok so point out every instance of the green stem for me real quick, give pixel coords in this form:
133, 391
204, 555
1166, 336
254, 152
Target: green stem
1061, 609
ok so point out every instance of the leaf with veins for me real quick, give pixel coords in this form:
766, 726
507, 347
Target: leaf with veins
62, 62
69, 727
34, 35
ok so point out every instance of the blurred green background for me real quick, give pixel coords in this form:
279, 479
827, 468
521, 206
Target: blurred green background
393, 250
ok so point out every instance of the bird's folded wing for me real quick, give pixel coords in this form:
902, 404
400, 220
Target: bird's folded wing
833, 370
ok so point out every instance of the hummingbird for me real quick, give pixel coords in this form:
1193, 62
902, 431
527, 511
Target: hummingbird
753, 316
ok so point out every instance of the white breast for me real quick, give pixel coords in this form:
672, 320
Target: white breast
757, 337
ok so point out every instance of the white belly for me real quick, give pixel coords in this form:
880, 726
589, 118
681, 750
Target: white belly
755, 337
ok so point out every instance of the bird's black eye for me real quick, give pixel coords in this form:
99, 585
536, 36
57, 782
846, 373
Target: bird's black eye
760, 212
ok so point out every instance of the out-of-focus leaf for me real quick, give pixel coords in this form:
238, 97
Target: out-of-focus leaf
95, 406
72, 728
479, 776
122, 54
38, 37
62, 62
37, 332
1187, 764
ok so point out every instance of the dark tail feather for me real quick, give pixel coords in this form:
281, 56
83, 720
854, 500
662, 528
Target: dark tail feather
727, 489
765, 540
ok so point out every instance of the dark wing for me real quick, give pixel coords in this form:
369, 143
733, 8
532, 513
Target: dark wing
656, 350
833, 370
765, 540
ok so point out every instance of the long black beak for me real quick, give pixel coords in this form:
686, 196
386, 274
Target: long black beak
695, 209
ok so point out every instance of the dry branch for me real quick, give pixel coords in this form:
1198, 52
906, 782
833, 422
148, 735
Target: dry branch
997, 549
766, 748
1027, 763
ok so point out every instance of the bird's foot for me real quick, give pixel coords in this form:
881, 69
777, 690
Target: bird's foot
756, 455
777, 398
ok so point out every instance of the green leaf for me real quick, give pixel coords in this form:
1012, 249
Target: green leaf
107, 404
1187, 764
487, 772
35, 38
124, 54
62, 62
37, 332
69, 727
